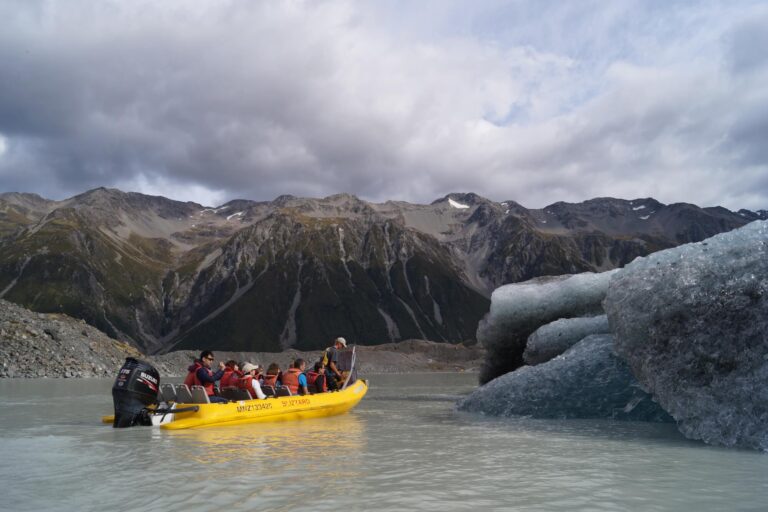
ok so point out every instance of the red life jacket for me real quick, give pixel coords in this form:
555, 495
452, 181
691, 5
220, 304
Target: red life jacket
229, 378
312, 376
190, 379
208, 385
291, 379
270, 380
246, 382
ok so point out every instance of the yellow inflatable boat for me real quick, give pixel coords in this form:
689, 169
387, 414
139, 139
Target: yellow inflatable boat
283, 408
140, 400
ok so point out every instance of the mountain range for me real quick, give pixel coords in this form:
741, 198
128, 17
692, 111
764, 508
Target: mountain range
296, 272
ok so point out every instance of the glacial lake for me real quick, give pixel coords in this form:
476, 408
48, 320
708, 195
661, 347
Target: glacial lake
403, 448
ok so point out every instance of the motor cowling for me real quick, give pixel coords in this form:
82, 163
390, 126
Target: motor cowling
135, 389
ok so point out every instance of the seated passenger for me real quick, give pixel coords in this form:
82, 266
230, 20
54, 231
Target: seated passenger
231, 374
259, 373
272, 378
294, 378
316, 379
249, 381
200, 374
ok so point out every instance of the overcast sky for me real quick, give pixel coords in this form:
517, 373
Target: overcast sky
533, 101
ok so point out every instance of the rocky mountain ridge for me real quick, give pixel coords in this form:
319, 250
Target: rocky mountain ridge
295, 272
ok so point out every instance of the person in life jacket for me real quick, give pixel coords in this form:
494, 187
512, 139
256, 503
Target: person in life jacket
294, 378
231, 375
200, 374
250, 382
330, 359
272, 377
316, 378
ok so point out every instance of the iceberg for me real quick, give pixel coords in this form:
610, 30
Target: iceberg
587, 381
553, 339
517, 310
692, 323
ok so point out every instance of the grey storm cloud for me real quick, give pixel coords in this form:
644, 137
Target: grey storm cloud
209, 101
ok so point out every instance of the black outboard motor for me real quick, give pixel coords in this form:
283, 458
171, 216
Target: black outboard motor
135, 388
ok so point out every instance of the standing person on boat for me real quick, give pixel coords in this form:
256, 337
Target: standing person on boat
231, 375
294, 378
200, 374
316, 378
250, 382
331, 359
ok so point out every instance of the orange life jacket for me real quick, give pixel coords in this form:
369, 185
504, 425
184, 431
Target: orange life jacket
291, 379
270, 380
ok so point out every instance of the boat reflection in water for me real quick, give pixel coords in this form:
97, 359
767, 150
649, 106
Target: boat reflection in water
306, 443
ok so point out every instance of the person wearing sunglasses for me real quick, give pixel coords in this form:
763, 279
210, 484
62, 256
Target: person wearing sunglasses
200, 374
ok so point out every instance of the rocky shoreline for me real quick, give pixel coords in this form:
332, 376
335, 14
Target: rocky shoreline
43, 345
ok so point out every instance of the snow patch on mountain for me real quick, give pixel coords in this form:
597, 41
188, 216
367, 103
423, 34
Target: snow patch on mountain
458, 205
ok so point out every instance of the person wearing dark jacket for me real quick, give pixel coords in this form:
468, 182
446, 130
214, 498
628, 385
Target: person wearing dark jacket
200, 374
333, 377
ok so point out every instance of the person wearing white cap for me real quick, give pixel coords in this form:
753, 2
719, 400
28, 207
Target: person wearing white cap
331, 360
249, 381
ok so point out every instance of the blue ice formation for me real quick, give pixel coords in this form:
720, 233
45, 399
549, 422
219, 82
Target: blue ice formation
692, 322
517, 310
554, 338
587, 381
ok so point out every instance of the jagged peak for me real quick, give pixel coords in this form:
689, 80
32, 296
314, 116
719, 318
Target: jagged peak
284, 198
462, 198
342, 196
753, 215
646, 200
9, 196
26, 201
606, 201
99, 192
238, 204
511, 203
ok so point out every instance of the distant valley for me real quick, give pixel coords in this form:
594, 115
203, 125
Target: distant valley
296, 272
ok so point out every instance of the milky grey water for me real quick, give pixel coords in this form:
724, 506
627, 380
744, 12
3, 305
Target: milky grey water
402, 448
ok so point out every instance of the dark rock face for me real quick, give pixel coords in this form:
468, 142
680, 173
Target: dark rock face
587, 381
294, 284
295, 272
517, 310
551, 340
692, 322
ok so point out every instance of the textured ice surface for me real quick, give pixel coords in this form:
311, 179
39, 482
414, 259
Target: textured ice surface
553, 339
587, 381
519, 309
692, 322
